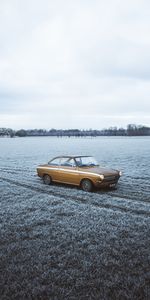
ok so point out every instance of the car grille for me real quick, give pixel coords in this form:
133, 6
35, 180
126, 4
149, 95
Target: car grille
111, 178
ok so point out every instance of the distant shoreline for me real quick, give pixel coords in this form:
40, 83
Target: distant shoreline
131, 130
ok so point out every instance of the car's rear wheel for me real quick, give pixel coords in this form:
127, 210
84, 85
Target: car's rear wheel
47, 179
86, 185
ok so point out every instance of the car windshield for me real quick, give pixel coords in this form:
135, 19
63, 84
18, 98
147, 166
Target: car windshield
86, 161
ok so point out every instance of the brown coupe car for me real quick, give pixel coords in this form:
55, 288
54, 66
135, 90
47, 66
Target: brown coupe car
78, 170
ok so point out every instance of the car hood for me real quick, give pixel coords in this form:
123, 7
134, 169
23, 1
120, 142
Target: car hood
100, 170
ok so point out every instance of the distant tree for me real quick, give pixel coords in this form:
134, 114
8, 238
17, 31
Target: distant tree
12, 133
131, 130
21, 133
7, 132
121, 132
137, 130
143, 130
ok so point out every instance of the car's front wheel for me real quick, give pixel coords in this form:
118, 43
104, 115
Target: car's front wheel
47, 179
86, 185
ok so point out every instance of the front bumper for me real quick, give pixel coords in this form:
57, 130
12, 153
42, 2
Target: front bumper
108, 181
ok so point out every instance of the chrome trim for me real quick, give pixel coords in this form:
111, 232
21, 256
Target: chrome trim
73, 171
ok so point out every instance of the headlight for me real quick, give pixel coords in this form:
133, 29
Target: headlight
120, 173
101, 177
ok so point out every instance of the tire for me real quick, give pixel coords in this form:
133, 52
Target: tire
47, 179
86, 185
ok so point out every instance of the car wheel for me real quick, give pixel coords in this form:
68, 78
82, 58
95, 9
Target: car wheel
86, 185
47, 179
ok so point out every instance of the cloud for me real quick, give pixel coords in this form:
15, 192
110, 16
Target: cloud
79, 63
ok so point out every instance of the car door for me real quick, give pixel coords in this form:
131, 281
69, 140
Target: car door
68, 171
53, 168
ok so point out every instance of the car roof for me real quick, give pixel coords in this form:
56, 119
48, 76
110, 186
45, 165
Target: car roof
71, 156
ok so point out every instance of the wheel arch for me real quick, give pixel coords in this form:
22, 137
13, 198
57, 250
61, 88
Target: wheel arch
87, 178
45, 173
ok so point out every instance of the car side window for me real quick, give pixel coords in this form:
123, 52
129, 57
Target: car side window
79, 161
67, 162
71, 162
54, 162
63, 161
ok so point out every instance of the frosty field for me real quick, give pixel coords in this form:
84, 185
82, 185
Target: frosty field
58, 242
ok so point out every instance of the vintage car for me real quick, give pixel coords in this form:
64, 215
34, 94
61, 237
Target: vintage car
83, 171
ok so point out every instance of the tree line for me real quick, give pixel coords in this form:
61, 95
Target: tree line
131, 130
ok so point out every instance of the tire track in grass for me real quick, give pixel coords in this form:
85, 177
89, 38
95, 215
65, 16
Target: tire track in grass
15, 171
117, 195
122, 192
132, 192
144, 192
139, 212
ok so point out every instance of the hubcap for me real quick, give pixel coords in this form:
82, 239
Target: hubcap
86, 186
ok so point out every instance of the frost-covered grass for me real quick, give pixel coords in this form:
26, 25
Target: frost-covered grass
53, 248
58, 242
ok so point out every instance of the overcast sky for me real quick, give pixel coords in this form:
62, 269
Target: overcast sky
74, 63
